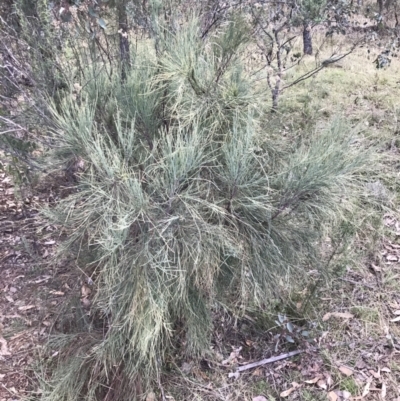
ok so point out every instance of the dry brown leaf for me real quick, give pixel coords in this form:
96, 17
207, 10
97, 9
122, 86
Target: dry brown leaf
375, 267
26, 307
286, 393
56, 292
258, 372
313, 381
343, 315
326, 316
235, 354
322, 384
86, 291
396, 312
3, 347
396, 319
345, 370
332, 396
86, 302
200, 374
377, 374
41, 280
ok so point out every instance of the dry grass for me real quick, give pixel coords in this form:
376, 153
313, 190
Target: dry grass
353, 87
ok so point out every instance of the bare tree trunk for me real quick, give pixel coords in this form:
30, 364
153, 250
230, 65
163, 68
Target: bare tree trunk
275, 97
276, 88
307, 40
380, 5
123, 38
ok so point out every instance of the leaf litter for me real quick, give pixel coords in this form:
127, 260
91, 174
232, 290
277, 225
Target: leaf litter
24, 291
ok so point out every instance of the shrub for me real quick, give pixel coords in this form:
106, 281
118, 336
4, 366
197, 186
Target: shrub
184, 202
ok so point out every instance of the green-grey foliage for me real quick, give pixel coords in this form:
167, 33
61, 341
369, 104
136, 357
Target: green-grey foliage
184, 201
182, 198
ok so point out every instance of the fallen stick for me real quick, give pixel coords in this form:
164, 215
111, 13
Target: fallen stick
269, 360
357, 283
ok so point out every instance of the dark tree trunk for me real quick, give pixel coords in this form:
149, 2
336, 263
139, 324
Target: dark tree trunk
307, 40
380, 6
123, 38
275, 96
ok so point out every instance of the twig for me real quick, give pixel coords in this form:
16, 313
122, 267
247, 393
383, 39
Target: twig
10, 130
357, 282
5, 388
330, 60
307, 75
269, 360
8, 121
160, 386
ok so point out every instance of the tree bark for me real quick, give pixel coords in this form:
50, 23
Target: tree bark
307, 40
123, 38
380, 6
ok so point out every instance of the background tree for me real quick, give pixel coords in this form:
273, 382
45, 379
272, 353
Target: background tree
275, 29
308, 13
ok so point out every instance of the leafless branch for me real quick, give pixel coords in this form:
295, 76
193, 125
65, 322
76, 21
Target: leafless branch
307, 75
269, 360
324, 63
10, 130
